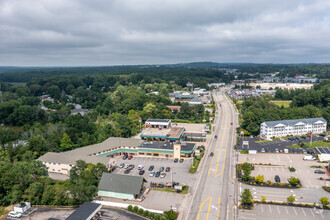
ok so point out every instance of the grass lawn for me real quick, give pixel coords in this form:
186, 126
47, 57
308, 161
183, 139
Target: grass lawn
286, 104
314, 144
263, 141
184, 190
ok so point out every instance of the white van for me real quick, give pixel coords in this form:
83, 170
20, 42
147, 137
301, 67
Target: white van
309, 158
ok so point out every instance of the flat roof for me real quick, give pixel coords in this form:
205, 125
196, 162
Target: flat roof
128, 184
322, 150
158, 120
175, 132
167, 145
86, 211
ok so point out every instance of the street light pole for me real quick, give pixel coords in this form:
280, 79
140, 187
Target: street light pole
140, 120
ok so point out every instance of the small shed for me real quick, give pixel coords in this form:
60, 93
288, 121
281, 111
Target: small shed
120, 186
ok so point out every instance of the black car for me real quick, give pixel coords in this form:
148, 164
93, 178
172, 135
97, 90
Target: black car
176, 160
211, 154
303, 137
167, 169
124, 157
319, 172
322, 135
157, 174
181, 160
151, 168
141, 172
277, 179
161, 169
176, 183
127, 171
131, 167
215, 136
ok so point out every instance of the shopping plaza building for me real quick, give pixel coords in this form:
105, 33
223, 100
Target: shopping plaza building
270, 129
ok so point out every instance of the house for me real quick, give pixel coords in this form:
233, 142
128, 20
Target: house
86, 211
195, 101
269, 129
174, 108
80, 111
120, 186
158, 123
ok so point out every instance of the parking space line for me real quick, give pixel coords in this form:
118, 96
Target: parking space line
294, 210
303, 211
270, 209
286, 210
278, 209
321, 215
262, 209
312, 212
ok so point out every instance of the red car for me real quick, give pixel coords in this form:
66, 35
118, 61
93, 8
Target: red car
231, 123
130, 157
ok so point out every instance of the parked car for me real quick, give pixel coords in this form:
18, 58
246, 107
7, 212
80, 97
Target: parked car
322, 135
141, 172
176, 183
181, 160
162, 175
319, 172
131, 167
140, 167
281, 151
215, 136
157, 174
231, 123
126, 166
124, 157
14, 214
161, 169
303, 137
277, 179
276, 150
167, 169
176, 160
211, 154
263, 150
151, 168
152, 173
127, 171
130, 157
304, 151
122, 165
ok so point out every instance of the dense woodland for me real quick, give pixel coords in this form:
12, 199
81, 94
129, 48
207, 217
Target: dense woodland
306, 104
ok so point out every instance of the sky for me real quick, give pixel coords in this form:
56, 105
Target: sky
126, 32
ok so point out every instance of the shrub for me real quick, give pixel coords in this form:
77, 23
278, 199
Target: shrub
146, 213
136, 209
259, 179
157, 217
293, 181
151, 215
163, 218
263, 199
251, 207
291, 199
292, 169
130, 208
324, 201
141, 211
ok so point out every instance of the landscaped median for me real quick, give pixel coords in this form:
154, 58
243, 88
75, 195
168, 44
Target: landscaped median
183, 191
197, 160
167, 215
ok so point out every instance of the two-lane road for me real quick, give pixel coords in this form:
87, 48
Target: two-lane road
214, 194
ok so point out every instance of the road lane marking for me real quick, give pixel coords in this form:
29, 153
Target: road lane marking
218, 208
208, 210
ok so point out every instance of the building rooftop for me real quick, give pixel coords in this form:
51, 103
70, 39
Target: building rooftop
167, 145
121, 183
294, 121
85, 211
175, 132
322, 150
159, 120
195, 99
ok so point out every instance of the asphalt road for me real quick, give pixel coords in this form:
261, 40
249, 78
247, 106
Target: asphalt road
213, 196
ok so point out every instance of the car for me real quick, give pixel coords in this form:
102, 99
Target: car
151, 168
181, 160
157, 174
215, 136
211, 154
130, 157
276, 150
277, 179
281, 151
176, 183
167, 169
319, 172
124, 157
322, 135
126, 166
14, 214
176, 160
162, 175
304, 151
141, 172
231, 123
152, 173
303, 137
131, 167
122, 165
140, 167
127, 171
263, 150
161, 169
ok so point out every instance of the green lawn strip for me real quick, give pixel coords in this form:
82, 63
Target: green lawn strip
263, 141
184, 190
314, 144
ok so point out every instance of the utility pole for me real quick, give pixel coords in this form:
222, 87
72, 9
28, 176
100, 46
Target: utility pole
172, 177
140, 120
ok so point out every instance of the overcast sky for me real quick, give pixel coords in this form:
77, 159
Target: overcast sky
116, 32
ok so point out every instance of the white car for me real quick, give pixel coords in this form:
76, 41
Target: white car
152, 173
14, 214
122, 165
162, 175
140, 167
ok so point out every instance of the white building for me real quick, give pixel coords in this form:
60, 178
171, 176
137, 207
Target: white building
269, 129
322, 153
158, 123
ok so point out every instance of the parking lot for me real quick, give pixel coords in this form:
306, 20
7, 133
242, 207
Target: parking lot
178, 170
266, 211
271, 146
279, 166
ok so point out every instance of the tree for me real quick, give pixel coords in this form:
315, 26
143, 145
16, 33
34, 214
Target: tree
150, 109
324, 201
246, 168
130, 208
290, 199
37, 144
263, 199
259, 179
246, 197
293, 181
66, 143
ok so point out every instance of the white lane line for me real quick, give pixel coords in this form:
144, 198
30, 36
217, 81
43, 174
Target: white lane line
312, 212
270, 209
294, 210
278, 209
262, 208
303, 211
321, 215
286, 210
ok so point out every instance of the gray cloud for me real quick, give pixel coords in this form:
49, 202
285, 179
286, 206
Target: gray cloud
100, 32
